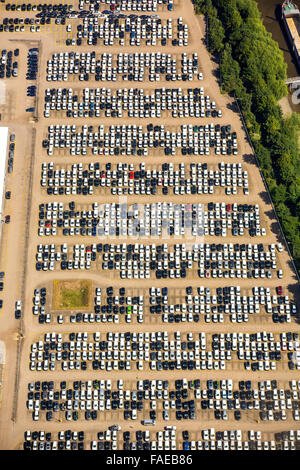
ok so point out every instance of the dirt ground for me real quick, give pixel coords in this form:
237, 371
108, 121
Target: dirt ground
20, 238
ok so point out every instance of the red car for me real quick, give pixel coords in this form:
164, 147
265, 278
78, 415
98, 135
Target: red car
228, 207
279, 290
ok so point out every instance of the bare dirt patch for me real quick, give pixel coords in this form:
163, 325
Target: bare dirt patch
72, 295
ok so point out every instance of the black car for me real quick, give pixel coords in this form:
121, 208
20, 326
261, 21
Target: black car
17, 314
263, 415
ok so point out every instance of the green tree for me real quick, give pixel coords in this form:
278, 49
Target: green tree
215, 33
253, 69
230, 70
285, 167
278, 194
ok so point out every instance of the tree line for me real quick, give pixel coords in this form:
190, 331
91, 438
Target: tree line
252, 68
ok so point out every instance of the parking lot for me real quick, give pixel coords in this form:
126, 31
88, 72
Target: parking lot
151, 399
159, 350
131, 103
158, 220
153, 66
167, 439
128, 5
168, 305
136, 140
183, 232
131, 30
142, 179
139, 261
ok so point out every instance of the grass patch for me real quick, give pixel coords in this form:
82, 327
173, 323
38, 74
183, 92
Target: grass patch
72, 295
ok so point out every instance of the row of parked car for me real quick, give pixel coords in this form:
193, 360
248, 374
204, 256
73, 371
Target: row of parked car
17, 25
32, 63
31, 91
238, 440
11, 153
216, 305
211, 305
140, 140
160, 220
132, 103
132, 30
16, 6
8, 68
138, 261
152, 66
168, 439
180, 399
142, 179
126, 5
106, 307
260, 351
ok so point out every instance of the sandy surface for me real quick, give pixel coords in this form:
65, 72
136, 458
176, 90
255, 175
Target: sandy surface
19, 239
285, 106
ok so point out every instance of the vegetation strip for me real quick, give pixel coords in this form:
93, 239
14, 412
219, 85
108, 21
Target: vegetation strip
252, 68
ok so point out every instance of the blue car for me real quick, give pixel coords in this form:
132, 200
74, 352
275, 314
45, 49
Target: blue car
186, 445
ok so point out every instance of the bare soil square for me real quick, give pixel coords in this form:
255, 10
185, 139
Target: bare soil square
72, 295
